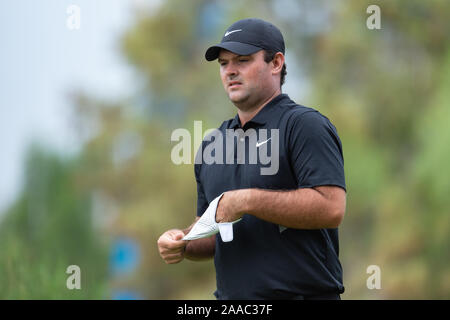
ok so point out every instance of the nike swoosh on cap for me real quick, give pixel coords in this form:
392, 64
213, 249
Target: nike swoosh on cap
230, 32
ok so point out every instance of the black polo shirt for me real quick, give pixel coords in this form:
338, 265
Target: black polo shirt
265, 260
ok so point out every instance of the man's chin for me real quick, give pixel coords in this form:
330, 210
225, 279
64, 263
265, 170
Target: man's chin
237, 98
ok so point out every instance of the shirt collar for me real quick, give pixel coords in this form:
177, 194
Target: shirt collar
262, 116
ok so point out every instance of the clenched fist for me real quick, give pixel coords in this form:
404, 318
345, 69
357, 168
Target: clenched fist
171, 247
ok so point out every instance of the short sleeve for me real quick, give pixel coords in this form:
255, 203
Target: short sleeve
315, 151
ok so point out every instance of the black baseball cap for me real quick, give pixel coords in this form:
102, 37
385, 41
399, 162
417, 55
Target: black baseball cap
247, 36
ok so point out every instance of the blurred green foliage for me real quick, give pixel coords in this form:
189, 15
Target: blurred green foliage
47, 230
386, 91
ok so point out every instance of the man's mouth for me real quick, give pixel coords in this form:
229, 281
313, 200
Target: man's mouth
234, 84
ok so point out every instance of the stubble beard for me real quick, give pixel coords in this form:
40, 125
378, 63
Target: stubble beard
244, 101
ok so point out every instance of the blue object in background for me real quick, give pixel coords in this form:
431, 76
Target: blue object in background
126, 295
125, 255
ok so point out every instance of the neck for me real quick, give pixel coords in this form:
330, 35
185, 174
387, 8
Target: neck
246, 115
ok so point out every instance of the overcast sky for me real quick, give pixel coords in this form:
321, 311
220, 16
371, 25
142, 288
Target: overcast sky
41, 60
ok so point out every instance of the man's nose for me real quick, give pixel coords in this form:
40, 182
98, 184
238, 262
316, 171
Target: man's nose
231, 70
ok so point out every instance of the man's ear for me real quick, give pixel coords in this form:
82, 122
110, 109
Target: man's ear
277, 63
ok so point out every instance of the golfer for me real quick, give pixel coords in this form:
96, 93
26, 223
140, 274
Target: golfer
286, 245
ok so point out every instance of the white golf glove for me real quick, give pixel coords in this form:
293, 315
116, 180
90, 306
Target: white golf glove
207, 226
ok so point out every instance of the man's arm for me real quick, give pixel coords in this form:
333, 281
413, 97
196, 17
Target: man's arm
309, 208
200, 249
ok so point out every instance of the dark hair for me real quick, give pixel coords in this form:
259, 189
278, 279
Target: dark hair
268, 56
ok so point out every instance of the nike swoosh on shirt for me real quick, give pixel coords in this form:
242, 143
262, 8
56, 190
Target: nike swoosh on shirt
230, 32
261, 143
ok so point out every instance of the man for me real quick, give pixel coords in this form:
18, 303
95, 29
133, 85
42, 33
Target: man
286, 245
